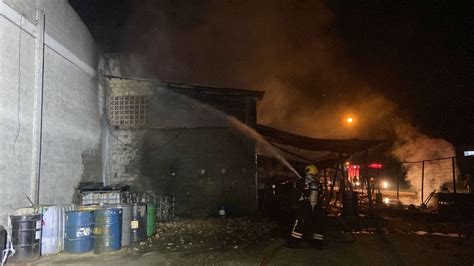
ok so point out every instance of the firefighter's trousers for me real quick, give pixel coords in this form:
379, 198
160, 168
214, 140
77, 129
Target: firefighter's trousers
308, 224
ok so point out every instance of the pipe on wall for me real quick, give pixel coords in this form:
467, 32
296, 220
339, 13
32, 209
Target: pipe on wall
13, 16
37, 107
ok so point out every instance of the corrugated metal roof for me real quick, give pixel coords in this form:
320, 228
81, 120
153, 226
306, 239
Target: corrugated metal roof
190, 88
345, 146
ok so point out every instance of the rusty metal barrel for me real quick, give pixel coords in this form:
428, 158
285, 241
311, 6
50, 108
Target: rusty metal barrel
107, 233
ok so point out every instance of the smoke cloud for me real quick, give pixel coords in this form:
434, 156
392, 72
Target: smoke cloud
413, 146
285, 48
281, 47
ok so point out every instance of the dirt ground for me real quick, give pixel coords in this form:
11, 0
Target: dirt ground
389, 240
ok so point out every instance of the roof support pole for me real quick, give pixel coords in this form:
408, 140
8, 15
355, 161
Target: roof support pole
422, 180
332, 184
453, 163
367, 179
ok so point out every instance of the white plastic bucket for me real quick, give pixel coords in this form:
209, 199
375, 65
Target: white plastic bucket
53, 228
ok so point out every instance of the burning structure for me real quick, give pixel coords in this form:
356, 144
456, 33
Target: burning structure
176, 140
198, 143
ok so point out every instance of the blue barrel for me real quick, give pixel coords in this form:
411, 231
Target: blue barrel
79, 226
107, 230
126, 220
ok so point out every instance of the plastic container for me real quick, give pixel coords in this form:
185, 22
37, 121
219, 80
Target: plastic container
150, 219
54, 219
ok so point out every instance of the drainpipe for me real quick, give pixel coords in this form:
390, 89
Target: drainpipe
454, 174
104, 124
422, 180
37, 108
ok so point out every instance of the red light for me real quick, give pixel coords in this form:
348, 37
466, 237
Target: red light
353, 166
353, 172
375, 166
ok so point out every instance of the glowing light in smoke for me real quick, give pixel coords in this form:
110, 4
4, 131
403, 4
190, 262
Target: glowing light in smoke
349, 119
385, 184
386, 200
357, 183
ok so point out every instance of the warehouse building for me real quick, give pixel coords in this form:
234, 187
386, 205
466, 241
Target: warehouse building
178, 140
50, 104
65, 119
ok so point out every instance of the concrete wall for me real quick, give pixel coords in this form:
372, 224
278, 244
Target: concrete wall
201, 167
71, 108
188, 151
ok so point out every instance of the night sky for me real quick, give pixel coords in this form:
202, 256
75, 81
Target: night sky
416, 58
424, 47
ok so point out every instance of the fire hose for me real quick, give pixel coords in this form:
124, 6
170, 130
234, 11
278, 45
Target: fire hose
269, 254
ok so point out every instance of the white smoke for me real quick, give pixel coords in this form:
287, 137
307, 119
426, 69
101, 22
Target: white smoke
413, 146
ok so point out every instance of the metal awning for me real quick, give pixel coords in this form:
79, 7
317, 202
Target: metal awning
343, 146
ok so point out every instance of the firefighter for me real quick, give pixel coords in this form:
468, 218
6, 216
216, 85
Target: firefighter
309, 220
372, 186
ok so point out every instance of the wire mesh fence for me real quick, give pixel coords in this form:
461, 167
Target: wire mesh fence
427, 176
165, 205
165, 208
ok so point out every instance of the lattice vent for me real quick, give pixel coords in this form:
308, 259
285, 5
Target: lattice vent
129, 111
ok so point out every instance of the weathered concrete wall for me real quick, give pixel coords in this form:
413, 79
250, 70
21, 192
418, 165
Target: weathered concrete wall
71, 115
173, 110
201, 167
188, 151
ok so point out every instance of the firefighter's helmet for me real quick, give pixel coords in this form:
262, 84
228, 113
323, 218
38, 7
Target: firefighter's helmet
311, 169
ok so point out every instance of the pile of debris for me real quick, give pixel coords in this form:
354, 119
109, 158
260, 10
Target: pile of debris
217, 234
